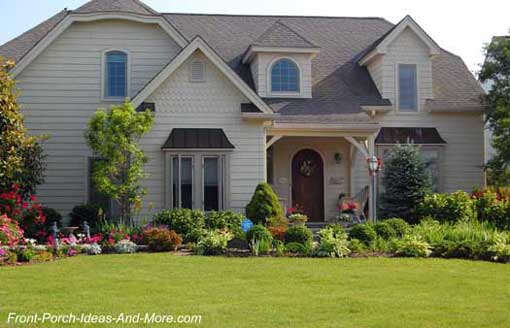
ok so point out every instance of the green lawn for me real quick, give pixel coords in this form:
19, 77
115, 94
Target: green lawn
265, 292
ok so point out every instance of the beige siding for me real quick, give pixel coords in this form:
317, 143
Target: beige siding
336, 176
263, 63
407, 48
214, 103
61, 89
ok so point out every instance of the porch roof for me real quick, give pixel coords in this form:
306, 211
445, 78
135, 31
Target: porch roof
420, 136
182, 138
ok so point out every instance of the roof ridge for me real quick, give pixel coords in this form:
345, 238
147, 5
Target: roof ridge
279, 16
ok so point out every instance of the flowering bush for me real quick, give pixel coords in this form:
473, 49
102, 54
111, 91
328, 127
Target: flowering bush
160, 239
10, 232
92, 249
493, 205
125, 247
28, 213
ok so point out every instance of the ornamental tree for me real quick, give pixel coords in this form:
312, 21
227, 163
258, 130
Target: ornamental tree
21, 155
496, 73
264, 204
114, 137
406, 183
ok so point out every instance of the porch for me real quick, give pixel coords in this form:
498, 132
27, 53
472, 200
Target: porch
311, 166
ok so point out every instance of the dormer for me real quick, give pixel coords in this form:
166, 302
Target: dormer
400, 64
281, 63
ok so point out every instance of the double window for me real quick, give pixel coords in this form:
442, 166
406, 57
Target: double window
116, 74
197, 181
407, 88
284, 76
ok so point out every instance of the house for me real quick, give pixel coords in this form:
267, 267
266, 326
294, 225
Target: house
300, 101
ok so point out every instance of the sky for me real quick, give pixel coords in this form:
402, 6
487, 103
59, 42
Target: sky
461, 27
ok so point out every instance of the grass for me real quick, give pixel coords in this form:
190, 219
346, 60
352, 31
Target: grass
265, 292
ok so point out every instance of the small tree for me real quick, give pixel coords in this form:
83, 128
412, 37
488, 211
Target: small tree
264, 204
113, 136
406, 183
21, 155
496, 71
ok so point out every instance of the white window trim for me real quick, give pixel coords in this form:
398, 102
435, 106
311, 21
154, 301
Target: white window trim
198, 188
283, 94
191, 79
103, 76
397, 89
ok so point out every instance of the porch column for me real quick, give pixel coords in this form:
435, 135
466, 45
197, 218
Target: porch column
372, 205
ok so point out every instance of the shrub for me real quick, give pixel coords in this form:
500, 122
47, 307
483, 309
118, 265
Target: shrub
225, 220
125, 246
8, 258
357, 246
278, 232
385, 230
51, 215
264, 204
405, 181
21, 154
214, 242
363, 232
258, 232
161, 239
181, 220
333, 243
413, 246
25, 254
400, 226
10, 232
297, 248
93, 214
493, 206
448, 207
43, 256
501, 250
299, 234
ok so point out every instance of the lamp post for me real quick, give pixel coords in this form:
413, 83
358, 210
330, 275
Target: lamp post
373, 168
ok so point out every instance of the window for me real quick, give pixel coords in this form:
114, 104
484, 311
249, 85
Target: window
285, 76
182, 182
197, 184
269, 165
407, 87
116, 74
197, 71
212, 183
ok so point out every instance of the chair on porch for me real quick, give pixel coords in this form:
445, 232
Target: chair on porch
361, 201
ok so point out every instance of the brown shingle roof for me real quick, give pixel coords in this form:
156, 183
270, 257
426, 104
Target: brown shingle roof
126, 6
17, 48
339, 84
280, 35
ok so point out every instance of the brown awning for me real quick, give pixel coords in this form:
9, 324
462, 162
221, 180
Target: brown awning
421, 136
197, 139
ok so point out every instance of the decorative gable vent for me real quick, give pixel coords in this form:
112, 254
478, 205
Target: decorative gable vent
197, 71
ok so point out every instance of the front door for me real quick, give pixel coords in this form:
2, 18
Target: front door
308, 183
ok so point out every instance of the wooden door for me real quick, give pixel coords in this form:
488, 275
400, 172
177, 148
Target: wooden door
308, 183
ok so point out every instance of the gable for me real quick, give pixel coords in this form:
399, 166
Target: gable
215, 94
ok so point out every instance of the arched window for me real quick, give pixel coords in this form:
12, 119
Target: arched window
116, 74
285, 76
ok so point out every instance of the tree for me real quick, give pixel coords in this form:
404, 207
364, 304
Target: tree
113, 136
406, 183
21, 155
496, 73
263, 204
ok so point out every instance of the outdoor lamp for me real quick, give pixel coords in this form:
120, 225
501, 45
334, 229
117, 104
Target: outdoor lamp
373, 164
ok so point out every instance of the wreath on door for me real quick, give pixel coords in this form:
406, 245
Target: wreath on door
307, 168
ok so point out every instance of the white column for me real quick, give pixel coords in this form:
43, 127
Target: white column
372, 204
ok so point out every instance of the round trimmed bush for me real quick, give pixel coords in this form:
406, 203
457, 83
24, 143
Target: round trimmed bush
363, 232
161, 239
384, 230
181, 220
259, 232
297, 248
400, 226
299, 234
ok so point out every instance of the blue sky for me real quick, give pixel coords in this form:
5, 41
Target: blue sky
461, 27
